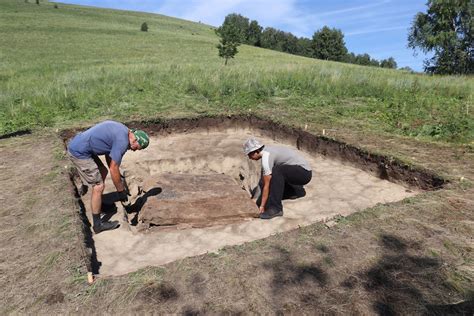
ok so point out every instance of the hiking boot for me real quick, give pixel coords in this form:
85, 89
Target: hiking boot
268, 214
293, 192
106, 226
300, 191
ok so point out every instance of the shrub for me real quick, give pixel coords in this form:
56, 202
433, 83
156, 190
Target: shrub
144, 27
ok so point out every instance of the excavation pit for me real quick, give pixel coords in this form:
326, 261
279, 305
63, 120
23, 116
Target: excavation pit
191, 190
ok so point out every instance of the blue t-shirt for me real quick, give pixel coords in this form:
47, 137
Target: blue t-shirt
106, 138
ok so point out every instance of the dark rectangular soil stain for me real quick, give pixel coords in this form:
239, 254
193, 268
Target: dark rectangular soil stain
196, 200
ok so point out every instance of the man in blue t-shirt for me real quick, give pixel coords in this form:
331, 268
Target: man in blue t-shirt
111, 139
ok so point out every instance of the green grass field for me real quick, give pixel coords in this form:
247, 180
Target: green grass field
77, 65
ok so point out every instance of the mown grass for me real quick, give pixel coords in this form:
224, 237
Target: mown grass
60, 67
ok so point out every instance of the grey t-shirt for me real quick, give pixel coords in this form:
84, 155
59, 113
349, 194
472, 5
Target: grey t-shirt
108, 137
277, 155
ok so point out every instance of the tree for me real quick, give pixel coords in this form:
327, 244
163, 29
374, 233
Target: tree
254, 32
447, 30
290, 43
389, 63
374, 62
350, 58
240, 23
304, 47
229, 40
407, 69
144, 27
329, 44
272, 38
363, 59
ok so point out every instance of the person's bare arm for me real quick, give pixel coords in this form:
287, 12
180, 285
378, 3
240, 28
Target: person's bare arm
115, 174
265, 192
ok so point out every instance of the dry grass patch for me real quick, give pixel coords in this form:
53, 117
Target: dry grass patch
40, 232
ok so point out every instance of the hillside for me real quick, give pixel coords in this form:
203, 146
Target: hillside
70, 65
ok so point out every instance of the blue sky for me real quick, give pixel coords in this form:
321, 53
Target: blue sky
376, 27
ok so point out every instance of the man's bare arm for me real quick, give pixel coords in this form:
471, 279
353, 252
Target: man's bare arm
265, 191
115, 174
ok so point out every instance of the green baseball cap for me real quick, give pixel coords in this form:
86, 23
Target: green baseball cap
142, 138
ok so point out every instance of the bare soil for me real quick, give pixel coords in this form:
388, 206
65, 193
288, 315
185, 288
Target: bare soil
414, 256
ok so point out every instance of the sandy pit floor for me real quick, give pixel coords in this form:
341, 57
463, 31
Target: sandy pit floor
336, 189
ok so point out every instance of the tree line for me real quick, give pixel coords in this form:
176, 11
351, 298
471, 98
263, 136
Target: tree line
446, 31
326, 43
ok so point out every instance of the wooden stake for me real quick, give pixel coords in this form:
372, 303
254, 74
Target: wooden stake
90, 278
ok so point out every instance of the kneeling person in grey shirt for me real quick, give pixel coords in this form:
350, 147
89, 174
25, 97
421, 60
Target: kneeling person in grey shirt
284, 172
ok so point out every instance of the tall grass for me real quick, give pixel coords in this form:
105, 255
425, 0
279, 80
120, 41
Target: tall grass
72, 64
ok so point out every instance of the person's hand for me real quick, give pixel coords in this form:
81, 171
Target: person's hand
123, 196
261, 209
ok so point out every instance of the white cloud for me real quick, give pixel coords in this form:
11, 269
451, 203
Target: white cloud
355, 8
375, 30
285, 15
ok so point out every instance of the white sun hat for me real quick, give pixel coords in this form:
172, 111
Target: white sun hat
251, 144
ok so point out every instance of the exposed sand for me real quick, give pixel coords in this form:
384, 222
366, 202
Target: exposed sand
336, 189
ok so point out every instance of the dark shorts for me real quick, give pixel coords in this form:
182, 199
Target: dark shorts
88, 169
